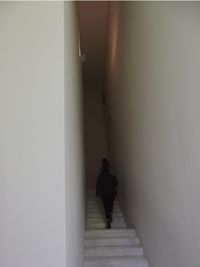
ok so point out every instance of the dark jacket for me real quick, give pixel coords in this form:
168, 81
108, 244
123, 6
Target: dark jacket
106, 184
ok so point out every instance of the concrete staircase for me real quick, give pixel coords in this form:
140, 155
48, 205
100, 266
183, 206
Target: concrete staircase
116, 247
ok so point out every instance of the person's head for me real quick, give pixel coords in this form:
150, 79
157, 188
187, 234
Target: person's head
105, 165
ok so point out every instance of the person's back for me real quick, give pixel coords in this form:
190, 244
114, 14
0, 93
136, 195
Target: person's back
108, 183
106, 189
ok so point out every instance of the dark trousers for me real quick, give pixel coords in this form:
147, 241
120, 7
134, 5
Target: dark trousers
108, 206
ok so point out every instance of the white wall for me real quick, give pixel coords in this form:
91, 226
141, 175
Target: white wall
154, 100
34, 86
75, 183
95, 133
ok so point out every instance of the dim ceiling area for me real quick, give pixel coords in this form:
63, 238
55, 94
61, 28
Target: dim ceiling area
93, 19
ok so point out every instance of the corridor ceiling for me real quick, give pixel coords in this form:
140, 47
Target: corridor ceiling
93, 19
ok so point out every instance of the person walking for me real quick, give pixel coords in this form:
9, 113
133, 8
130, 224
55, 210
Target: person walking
106, 190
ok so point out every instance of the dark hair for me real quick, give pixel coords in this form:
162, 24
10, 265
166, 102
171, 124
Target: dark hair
105, 163
105, 166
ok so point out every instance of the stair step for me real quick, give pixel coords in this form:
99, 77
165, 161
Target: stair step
94, 197
115, 215
96, 220
101, 210
94, 201
97, 201
102, 220
94, 206
137, 261
92, 194
101, 215
109, 251
110, 233
111, 241
114, 225
98, 209
116, 247
101, 207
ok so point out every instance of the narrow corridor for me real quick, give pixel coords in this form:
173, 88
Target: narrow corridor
86, 80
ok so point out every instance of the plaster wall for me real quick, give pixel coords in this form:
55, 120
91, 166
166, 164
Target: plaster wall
153, 98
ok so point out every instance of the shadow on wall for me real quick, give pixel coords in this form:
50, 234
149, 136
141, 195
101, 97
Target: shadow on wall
95, 133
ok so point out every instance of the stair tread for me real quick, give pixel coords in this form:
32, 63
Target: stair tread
127, 230
103, 223
111, 242
113, 251
112, 238
103, 226
114, 247
119, 246
110, 231
117, 258
100, 215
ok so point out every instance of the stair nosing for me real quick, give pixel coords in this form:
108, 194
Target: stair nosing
112, 237
138, 258
117, 246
